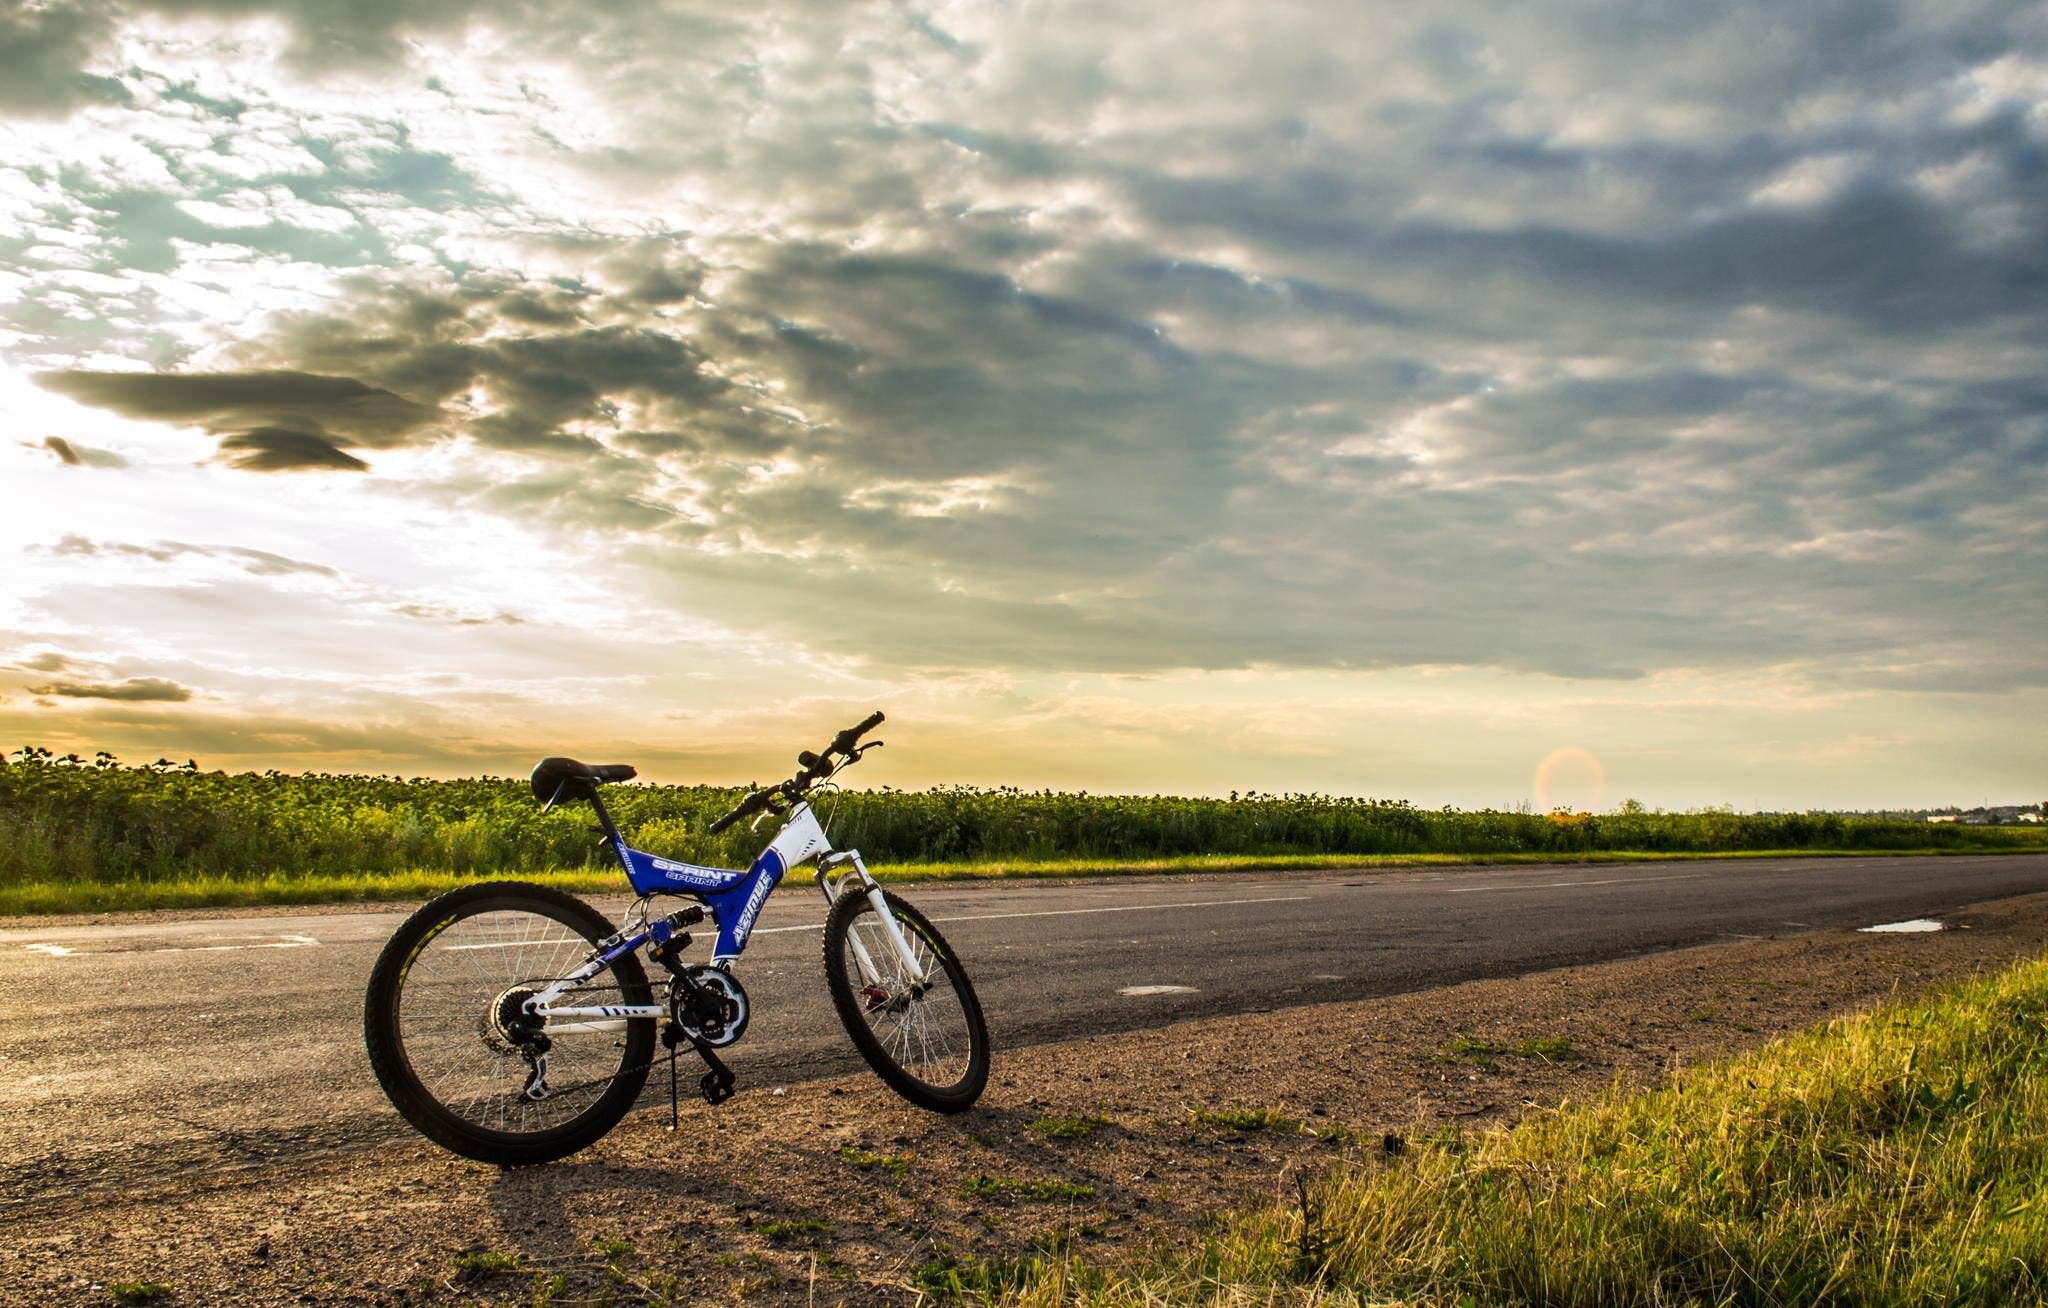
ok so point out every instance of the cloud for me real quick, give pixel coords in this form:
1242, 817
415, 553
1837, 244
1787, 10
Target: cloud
269, 420
231, 400
73, 455
280, 449
132, 690
443, 613
43, 50
261, 563
1092, 346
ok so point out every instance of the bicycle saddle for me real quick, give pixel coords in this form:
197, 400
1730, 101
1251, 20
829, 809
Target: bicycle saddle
550, 773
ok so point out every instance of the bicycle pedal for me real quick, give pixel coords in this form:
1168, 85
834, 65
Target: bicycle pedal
715, 1088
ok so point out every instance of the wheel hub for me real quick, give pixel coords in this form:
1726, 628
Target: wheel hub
507, 1027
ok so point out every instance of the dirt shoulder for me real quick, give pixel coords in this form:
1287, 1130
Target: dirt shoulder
836, 1192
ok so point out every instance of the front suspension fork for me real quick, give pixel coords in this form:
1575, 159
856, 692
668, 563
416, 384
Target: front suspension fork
890, 927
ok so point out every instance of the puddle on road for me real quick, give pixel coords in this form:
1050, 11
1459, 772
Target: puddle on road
1911, 924
1137, 991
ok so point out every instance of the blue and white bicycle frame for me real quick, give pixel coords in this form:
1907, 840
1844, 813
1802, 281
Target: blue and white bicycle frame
733, 901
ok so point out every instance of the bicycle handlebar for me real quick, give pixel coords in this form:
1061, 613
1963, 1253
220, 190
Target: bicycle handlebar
820, 766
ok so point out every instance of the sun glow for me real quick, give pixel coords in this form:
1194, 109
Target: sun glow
1570, 777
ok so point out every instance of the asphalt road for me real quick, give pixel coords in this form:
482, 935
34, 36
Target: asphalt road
135, 1055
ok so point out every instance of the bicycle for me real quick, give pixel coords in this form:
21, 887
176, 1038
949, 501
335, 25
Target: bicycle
492, 1026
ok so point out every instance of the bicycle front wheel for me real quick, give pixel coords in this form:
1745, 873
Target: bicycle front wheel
459, 1057
919, 1025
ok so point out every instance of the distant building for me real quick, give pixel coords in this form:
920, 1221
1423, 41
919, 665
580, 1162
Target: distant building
1941, 817
2030, 817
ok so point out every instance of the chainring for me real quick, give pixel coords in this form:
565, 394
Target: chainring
715, 988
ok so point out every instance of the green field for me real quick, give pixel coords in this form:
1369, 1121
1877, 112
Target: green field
85, 835
1899, 1158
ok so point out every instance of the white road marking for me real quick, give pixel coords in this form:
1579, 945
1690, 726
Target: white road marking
288, 942
1910, 925
1553, 885
1137, 991
1074, 912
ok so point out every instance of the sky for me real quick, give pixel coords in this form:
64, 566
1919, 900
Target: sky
1472, 403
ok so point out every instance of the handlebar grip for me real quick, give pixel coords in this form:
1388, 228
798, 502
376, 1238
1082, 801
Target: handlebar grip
751, 804
845, 740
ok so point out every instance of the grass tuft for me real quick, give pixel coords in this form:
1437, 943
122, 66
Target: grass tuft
1068, 1128
1248, 1119
945, 1277
1036, 1188
791, 1227
484, 1262
133, 1294
1483, 1053
1896, 1158
899, 1164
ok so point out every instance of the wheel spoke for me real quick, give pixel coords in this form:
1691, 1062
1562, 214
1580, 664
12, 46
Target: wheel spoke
448, 1020
926, 1035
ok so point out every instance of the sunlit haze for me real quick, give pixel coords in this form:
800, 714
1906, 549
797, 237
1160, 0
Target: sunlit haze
1466, 403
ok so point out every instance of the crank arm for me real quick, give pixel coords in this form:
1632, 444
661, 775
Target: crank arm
716, 1084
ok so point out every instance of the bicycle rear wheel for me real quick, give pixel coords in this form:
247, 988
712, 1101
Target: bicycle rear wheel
921, 1029
453, 1049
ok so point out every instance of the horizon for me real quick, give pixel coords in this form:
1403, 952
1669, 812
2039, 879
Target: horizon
166, 764
1553, 406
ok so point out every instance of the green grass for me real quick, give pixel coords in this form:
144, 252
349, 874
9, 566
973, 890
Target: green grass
898, 1164
132, 1294
946, 1277
1545, 1049
1039, 1189
1897, 1158
790, 1227
1068, 1128
485, 1262
78, 835
1248, 1119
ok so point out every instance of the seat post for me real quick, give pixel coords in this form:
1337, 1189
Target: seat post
611, 830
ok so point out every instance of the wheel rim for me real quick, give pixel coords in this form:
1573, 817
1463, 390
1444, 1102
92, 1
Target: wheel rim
457, 997
917, 1018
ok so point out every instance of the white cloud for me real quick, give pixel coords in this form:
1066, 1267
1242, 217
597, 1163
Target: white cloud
954, 348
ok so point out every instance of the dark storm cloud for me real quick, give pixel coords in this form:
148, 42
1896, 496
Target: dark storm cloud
133, 690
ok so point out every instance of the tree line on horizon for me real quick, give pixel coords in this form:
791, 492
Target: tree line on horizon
71, 819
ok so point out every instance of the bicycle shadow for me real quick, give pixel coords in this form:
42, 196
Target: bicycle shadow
712, 1220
